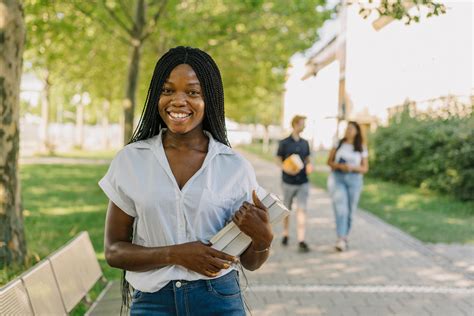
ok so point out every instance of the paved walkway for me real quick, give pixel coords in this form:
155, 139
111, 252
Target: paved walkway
386, 272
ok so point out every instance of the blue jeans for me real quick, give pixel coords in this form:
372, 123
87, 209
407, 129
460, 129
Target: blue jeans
345, 197
219, 296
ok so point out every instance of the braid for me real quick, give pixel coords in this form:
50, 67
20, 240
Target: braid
151, 123
210, 79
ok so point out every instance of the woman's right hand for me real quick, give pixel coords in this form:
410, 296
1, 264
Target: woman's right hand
201, 258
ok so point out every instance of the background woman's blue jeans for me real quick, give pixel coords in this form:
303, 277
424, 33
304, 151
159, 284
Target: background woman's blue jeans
219, 296
345, 195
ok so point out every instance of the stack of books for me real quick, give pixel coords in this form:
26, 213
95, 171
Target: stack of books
293, 163
234, 242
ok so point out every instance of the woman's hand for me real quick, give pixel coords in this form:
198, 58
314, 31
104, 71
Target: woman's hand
331, 157
201, 258
344, 167
254, 221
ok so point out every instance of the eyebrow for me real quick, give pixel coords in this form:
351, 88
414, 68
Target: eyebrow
193, 83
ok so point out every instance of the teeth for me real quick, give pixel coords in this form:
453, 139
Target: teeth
179, 115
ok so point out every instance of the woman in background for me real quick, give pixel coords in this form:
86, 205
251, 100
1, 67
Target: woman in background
348, 161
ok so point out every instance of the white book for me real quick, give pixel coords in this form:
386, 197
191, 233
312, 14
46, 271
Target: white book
234, 242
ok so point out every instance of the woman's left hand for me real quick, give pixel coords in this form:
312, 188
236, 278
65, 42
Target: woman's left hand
254, 221
343, 167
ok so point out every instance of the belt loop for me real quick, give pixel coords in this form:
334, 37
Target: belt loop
209, 285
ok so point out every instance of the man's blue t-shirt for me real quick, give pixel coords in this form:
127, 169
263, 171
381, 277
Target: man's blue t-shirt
288, 147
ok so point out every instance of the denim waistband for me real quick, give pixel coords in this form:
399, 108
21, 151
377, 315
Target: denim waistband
342, 173
172, 285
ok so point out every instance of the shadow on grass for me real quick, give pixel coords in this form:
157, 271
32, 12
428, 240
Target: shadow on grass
428, 216
59, 201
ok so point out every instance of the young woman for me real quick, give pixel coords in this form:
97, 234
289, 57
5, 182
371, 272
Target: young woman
173, 187
348, 161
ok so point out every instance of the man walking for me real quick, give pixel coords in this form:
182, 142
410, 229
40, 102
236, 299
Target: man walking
295, 179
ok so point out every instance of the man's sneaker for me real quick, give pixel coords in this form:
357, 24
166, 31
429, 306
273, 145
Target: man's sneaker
284, 241
341, 245
303, 247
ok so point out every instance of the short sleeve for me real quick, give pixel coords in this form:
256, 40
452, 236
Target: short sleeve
308, 153
281, 149
114, 184
365, 153
248, 185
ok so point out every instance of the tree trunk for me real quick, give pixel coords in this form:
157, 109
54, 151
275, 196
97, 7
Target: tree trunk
12, 37
130, 98
133, 71
80, 125
266, 140
45, 145
60, 111
105, 124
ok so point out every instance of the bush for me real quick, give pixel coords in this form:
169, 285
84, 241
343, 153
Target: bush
429, 152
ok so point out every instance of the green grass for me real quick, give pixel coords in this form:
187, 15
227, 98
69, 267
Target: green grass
256, 148
60, 201
319, 179
426, 215
319, 158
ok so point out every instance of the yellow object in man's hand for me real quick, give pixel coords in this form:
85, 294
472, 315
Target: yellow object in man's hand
293, 164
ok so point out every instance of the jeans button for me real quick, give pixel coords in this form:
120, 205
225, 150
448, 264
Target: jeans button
178, 284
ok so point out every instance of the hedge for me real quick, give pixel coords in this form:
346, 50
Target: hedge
429, 152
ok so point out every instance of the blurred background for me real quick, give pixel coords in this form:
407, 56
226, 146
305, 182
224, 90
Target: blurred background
402, 69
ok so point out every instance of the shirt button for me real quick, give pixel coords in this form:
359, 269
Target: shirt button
178, 284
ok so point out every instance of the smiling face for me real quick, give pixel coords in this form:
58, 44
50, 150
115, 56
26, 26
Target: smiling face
351, 132
181, 104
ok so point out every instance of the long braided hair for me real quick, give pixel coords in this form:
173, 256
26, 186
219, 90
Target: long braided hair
211, 83
151, 123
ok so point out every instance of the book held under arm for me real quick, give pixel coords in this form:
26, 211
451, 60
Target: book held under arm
293, 163
234, 242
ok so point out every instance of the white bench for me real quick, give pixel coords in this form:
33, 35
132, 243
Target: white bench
55, 285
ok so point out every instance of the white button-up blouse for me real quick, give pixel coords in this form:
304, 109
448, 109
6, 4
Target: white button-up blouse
140, 182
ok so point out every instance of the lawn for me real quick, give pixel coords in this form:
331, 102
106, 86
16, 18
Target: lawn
319, 158
426, 215
60, 201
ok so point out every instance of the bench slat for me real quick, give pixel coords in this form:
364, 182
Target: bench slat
65, 264
55, 285
88, 265
43, 290
76, 269
14, 300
